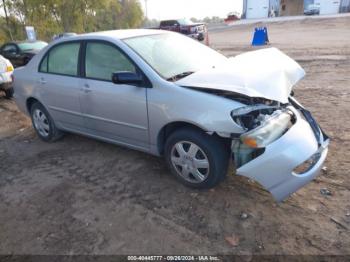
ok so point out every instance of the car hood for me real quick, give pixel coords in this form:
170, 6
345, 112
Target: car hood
266, 73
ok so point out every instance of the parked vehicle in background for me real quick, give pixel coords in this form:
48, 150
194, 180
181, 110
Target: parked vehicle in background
20, 53
312, 9
185, 27
168, 95
55, 37
6, 70
231, 17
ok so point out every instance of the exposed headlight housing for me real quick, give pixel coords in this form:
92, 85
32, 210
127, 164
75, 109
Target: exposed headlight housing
270, 129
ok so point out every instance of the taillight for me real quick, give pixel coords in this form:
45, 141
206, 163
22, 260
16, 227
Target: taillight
9, 68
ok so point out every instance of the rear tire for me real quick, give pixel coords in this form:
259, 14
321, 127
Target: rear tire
44, 124
197, 159
9, 93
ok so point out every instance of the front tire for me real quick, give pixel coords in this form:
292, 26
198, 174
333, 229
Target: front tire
197, 159
44, 124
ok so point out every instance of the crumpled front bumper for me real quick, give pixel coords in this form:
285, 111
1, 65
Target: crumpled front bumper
274, 168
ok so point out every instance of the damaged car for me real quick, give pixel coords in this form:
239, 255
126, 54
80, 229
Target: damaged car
168, 95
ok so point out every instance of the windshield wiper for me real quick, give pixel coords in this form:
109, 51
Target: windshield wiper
179, 76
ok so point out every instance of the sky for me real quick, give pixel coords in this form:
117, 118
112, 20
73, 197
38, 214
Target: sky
173, 9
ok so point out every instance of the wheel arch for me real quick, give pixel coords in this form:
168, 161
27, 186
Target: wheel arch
171, 127
29, 102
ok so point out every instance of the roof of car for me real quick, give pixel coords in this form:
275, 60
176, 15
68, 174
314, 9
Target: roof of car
113, 34
125, 33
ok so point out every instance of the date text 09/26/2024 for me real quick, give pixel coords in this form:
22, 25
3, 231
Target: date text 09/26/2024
172, 258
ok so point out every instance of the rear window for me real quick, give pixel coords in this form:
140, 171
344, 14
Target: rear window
62, 59
168, 23
185, 22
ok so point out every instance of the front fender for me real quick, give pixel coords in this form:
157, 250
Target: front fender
172, 103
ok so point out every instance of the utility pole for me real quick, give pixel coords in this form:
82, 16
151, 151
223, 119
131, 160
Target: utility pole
7, 19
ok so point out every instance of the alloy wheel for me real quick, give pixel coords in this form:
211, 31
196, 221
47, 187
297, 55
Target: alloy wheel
41, 123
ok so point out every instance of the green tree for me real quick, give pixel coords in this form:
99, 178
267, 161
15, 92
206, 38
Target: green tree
131, 15
122, 14
50, 17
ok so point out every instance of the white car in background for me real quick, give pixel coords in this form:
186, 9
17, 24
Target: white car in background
312, 9
6, 71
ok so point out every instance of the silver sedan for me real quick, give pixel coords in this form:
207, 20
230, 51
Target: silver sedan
168, 95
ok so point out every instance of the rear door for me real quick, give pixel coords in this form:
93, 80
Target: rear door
116, 112
58, 79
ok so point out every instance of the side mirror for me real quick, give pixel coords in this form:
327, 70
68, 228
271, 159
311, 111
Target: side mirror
126, 78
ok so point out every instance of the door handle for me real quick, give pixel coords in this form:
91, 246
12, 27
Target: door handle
86, 88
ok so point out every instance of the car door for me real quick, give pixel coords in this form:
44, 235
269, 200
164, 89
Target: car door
59, 83
116, 112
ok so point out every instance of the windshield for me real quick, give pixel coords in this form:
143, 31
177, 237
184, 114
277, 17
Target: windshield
185, 22
173, 55
32, 46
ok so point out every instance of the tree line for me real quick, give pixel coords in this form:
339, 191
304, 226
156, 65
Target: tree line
50, 17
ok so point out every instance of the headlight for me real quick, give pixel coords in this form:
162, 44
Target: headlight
270, 130
247, 109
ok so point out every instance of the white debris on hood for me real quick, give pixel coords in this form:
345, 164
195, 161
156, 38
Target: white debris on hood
266, 73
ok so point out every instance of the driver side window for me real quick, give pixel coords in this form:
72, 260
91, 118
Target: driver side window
102, 60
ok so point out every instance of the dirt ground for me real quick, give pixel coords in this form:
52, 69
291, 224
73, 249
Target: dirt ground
81, 196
